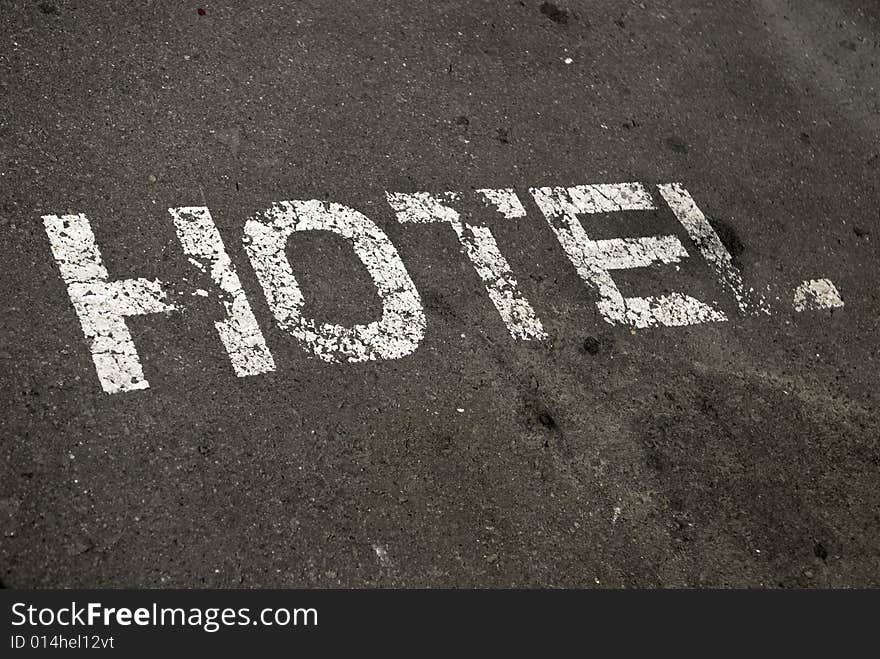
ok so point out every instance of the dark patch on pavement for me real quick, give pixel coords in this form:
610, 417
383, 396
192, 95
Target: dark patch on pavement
546, 420
676, 144
555, 13
592, 345
730, 239
598, 344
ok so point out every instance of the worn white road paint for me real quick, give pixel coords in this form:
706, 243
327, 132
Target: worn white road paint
594, 259
402, 326
481, 248
505, 200
817, 294
711, 247
239, 331
102, 305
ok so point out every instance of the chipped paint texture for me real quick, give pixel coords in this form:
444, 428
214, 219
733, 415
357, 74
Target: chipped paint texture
711, 247
505, 201
402, 326
594, 259
239, 332
817, 294
481, 248
102, 305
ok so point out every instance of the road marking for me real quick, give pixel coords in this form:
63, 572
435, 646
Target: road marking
817, 294
103, 305
505, 201
710, 246
239, 331
481, 248
402, 326
594, 259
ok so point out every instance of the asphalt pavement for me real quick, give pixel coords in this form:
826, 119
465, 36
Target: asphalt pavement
742, 452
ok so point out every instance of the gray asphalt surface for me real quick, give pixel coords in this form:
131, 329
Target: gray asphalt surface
743, 453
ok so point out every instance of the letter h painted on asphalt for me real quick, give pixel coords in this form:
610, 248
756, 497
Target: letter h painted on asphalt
103, 305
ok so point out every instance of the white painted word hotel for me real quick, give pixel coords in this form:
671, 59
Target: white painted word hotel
103, 303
